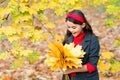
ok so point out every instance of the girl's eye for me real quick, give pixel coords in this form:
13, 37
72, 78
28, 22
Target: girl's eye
74, 27
68, 26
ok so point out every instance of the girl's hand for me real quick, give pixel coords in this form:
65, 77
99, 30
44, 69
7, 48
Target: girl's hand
72, 70
68, 71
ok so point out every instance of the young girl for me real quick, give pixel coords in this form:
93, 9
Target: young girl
80, 32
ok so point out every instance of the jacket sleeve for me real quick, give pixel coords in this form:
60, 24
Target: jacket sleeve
90, 67
93, 54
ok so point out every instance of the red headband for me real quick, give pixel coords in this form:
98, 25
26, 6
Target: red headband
76, 17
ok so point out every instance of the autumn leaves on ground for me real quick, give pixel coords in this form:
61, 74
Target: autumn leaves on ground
23, 48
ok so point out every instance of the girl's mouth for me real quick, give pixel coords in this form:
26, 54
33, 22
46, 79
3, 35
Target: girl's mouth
74, 33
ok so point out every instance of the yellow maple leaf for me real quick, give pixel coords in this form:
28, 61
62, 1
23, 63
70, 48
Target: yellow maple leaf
103, 67
76, 51
107, 55
55, 51
69, 46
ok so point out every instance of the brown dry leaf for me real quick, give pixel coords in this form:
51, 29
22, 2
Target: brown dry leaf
8, 78
39, 67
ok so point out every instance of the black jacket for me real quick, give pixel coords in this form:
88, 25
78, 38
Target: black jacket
91, 46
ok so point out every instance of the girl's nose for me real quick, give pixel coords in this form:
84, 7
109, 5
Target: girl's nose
71, 30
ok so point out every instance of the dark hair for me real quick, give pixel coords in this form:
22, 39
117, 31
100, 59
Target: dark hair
87, 29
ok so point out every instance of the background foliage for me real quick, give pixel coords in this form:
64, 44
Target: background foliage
26, 26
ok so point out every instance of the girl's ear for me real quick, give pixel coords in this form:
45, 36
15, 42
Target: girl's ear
83, 25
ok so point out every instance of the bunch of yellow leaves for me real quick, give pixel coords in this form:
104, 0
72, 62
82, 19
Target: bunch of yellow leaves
63, 57
75, 51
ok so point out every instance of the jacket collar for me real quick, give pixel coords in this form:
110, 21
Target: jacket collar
85, 40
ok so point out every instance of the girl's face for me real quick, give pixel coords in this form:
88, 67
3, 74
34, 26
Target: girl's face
75, 29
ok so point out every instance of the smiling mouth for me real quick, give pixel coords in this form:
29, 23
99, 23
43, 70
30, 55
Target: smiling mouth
73, 33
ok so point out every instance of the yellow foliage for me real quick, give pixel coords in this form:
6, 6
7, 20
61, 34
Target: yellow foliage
42, 5
26, 34
61, 1
72, 2
24, 0
22, 18
13, 38
35, 6
27, 31
116, 43
77, 6
12, 33
107, 55
77, 51
96, 2
50, 25
19, 51
8, 30
60, 11
60, 57
4, 55
112, 9
17, 64
115, 68
103, 67
108, 63
44, 1
14, 0
4, 11
43, 18
58, 37
25, 52
39, 35
52, 5
16, 50
23, 8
